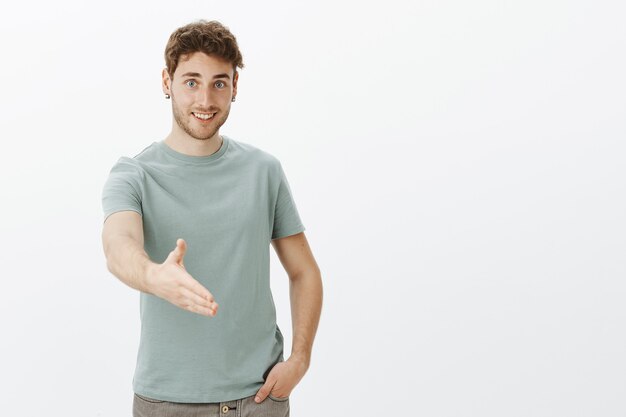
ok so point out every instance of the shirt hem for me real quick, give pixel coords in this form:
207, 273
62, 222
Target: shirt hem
195, 399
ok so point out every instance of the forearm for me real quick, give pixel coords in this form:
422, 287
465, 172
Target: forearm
128, 261
306, 294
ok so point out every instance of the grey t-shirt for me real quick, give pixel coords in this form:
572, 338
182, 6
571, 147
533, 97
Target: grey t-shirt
227, 206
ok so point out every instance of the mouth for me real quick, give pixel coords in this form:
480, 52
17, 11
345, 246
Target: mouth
203, 117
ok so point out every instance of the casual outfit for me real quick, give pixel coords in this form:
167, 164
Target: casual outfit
227, 206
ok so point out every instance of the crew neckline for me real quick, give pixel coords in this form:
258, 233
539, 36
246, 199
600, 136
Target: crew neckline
198, 160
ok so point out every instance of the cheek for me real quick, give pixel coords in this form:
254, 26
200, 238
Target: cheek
184, 100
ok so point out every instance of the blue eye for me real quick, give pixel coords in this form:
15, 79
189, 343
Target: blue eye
190, 81
220, 82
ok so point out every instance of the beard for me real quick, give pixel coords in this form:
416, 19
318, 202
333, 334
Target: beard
185, 121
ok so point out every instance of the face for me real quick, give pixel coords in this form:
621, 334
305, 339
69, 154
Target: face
201, 92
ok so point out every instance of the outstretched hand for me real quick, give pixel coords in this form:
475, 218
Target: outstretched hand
171, 281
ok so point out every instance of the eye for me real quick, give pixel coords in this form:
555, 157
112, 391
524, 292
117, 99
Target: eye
220, 82
190, 81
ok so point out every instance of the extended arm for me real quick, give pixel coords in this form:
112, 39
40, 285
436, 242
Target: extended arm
123, 244
122, 241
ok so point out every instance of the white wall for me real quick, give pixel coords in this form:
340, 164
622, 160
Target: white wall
459, 167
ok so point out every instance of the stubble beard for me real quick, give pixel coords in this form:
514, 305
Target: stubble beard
184, 122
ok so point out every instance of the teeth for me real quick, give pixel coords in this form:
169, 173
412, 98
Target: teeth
203, 116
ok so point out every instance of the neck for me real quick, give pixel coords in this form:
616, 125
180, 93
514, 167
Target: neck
188, 145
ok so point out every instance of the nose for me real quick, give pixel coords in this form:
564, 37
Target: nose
204, 98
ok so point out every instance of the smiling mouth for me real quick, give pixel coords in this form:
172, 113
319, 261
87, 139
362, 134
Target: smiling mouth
203, 117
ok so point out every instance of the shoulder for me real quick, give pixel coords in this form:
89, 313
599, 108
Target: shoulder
255, 154
126, 164
133, 167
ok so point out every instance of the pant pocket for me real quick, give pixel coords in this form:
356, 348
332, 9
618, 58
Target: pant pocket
278, 399
149, 407
270, 406
148, 399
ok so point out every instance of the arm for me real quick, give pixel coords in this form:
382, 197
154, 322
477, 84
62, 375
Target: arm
122, 241
305, 292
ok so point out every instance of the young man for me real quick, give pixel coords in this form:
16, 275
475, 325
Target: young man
188, 222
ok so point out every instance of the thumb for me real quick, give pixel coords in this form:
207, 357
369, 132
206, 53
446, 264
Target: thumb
264, 391
179, 252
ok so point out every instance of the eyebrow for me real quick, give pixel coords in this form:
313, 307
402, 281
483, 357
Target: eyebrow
198, 75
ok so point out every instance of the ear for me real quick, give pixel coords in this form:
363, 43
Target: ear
166, 83
235, 78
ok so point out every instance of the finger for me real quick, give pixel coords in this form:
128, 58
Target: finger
188, 304
200, 304
195, 308
194, 286
179, 251
264, 391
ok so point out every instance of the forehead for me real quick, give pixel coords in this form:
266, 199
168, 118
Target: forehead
205, 65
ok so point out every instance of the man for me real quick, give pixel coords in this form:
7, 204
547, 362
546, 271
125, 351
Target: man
188, 222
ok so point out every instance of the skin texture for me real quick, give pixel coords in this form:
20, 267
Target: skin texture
171, 281
205, 93
305, 293
200, 93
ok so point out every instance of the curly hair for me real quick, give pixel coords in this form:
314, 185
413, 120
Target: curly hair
210, 37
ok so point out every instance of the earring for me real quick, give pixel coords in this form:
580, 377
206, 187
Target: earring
167, 96
233, 98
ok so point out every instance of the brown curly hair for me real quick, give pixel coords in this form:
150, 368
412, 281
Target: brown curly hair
210, 37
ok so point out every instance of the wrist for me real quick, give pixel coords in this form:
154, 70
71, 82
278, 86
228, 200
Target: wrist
149, 269
301, 359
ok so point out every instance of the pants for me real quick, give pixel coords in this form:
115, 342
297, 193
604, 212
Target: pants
244, 407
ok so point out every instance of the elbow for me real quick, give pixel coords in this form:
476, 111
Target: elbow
107, 256
311, 273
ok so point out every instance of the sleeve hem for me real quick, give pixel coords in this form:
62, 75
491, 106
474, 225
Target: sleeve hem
106, 215
291, 232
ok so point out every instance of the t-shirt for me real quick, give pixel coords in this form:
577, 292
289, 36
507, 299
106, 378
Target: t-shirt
227, 206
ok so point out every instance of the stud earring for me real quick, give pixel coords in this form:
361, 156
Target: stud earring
167, 96
233, 98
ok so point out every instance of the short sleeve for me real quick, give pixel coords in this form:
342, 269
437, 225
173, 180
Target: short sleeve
286, 218
122, 189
